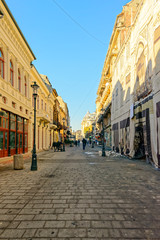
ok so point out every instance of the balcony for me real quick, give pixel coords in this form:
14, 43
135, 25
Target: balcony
52, 126
43, 116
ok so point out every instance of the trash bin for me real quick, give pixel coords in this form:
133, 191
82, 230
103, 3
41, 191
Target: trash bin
18, 162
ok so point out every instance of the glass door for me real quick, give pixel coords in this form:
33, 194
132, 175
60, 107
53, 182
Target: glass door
20, 134
4, 136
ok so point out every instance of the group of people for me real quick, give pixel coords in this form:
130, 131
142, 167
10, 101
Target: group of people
77, 143
84, 142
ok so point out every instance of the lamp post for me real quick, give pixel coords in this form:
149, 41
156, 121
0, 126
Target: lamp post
34, 155
103, 146
63, 135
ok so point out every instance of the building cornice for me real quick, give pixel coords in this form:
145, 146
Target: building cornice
15, 23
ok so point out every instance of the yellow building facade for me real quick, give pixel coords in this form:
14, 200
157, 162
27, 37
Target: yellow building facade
87, 123
17, 73
15, 77
132, 63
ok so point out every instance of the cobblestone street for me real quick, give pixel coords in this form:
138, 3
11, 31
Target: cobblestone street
78, 195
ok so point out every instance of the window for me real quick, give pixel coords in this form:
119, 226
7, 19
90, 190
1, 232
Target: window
37, 101
42, 104
25, 86
19, 80
45, 107
4, 100
13, 104
1, 64
20, 123
12, 122
11, 74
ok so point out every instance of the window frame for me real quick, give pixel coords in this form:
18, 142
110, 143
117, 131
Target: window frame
11, 73
19, 80
25, 86
2, 64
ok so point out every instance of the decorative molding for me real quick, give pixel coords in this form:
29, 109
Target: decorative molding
157, 21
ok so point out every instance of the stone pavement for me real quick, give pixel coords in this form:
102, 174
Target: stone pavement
78, 195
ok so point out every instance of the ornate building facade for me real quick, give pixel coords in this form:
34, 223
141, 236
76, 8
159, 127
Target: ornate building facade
132, 66
17, 73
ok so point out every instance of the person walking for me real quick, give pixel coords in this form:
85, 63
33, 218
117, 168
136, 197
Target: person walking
84, 143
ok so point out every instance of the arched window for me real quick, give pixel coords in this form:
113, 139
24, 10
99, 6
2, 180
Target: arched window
25, 86
11, 73
19, 80
1, 64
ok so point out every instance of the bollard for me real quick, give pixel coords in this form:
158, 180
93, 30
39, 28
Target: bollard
18, 162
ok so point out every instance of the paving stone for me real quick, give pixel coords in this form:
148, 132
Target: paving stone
29, 233
13, 224
114, 233
117, 224
24, 217
14, 206
98, 233
4, 224
31, 224
107, 216
7, 217
72, 210
45, 217
78, 224
132, 233
46, 233
101, 224
71, 233
90, 217
69, 217
54, 224
41, 206
12, 233
30, 211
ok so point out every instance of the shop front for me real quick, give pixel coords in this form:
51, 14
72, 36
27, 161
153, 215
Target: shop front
13, 134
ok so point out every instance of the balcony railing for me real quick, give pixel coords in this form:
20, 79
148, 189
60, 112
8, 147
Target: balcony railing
43, 116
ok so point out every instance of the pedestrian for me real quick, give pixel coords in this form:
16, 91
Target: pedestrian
84, 143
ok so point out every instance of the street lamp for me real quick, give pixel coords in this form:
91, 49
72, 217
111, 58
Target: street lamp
34, 155
63, 135
103, 146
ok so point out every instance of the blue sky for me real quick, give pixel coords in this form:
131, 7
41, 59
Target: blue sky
70, 42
